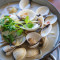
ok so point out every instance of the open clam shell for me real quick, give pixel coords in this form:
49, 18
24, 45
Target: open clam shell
45, 39
43, 10
51, 19
24, 4
27, 12
34, 46
46, 30
41, 21
35, 27
19, 41
33, 38
14, 17
43, 47
7, 49
44, 42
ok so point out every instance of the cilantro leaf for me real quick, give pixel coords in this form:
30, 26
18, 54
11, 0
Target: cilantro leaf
30, 25
19, 32
27, 20
7, 24
24, 26
9, 38
6, 38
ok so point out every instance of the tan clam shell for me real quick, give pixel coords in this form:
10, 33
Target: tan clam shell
14, 17
8, 49
32, 53
35, 27
24, 4
45, 39
19, 41
46, 31
43, 10
41, 21
45, 44
51, 19
19, 53
33, 38
34, 46
27, 12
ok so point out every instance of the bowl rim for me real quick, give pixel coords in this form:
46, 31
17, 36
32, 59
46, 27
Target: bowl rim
37, 1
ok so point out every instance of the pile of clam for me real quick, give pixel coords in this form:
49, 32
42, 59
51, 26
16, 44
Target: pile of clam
35, 38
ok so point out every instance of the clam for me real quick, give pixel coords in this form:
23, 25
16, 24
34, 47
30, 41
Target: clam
14, 17
41, 21
19, 53
19, 41
34, 46
51, 19
12, 10
26, 12
2, 42
36, 17
7, 49
43, 10
32, 53
43, 42
35, 27
46, 30
24, 4
33, 38
42, 46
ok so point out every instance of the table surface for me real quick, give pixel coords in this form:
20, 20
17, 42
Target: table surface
56, 3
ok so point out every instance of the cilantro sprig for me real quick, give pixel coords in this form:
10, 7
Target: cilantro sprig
28, 23
9, 38
8, 24
27, 20
19, 32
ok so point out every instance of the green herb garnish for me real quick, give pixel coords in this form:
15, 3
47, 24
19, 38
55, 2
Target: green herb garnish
19, 32
9, 38
8, 24
27, 20
30, 25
